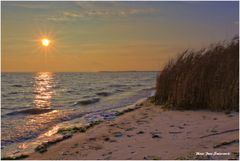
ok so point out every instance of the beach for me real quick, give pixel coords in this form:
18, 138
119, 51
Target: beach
33, 112
150, 132
96, 80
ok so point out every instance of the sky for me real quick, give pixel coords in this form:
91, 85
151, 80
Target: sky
109, 36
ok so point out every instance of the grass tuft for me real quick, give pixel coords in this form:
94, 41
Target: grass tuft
204, 79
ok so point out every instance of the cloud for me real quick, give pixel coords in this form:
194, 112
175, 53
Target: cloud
28, 5
102, 13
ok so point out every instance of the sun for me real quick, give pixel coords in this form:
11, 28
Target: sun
45, 42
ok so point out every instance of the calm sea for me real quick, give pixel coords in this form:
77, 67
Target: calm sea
32, 104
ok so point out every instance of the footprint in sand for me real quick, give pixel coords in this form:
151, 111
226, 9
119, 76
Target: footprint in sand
175, 132
140, 132
75, 145
92, 139
152, 157
130, 129
106, 139
118, 134
180, 127
112, 141
109, 153
65, 153
155, 135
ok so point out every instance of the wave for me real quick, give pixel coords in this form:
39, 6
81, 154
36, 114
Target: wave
103, 94
32, 111
17, 85
117, 85
13, 93
87, 101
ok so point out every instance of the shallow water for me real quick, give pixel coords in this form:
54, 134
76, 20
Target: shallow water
34, 103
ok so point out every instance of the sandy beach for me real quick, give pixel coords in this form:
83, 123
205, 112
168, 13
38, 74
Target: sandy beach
151, 132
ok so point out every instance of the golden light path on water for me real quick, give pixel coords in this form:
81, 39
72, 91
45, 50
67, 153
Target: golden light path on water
43, 89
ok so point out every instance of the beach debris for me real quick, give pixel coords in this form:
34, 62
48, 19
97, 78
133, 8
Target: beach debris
108, 116
218, 133
66, 133
41, 148
119, 113
72, 130
152, 157
19, 157
226, 143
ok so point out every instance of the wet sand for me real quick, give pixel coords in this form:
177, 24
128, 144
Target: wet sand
153, 133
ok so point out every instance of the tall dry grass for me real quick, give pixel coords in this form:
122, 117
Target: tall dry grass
204, 79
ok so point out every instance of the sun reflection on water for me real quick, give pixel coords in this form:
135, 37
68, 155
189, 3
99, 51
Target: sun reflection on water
43, 89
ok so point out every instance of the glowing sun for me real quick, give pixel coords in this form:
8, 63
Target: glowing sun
45, 42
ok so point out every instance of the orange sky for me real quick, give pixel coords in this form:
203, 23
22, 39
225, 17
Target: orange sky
109, 36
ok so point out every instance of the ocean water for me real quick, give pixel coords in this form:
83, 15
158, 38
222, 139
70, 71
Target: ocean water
34, 104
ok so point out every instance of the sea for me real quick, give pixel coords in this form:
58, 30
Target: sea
34, 106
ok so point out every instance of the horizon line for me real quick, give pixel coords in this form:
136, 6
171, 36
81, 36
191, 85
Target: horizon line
80, 71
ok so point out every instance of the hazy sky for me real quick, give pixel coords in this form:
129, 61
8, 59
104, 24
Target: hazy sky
97, 36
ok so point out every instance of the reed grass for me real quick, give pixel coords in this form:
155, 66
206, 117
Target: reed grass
203, 79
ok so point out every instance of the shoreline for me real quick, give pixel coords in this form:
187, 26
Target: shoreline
62, 132
149, 132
